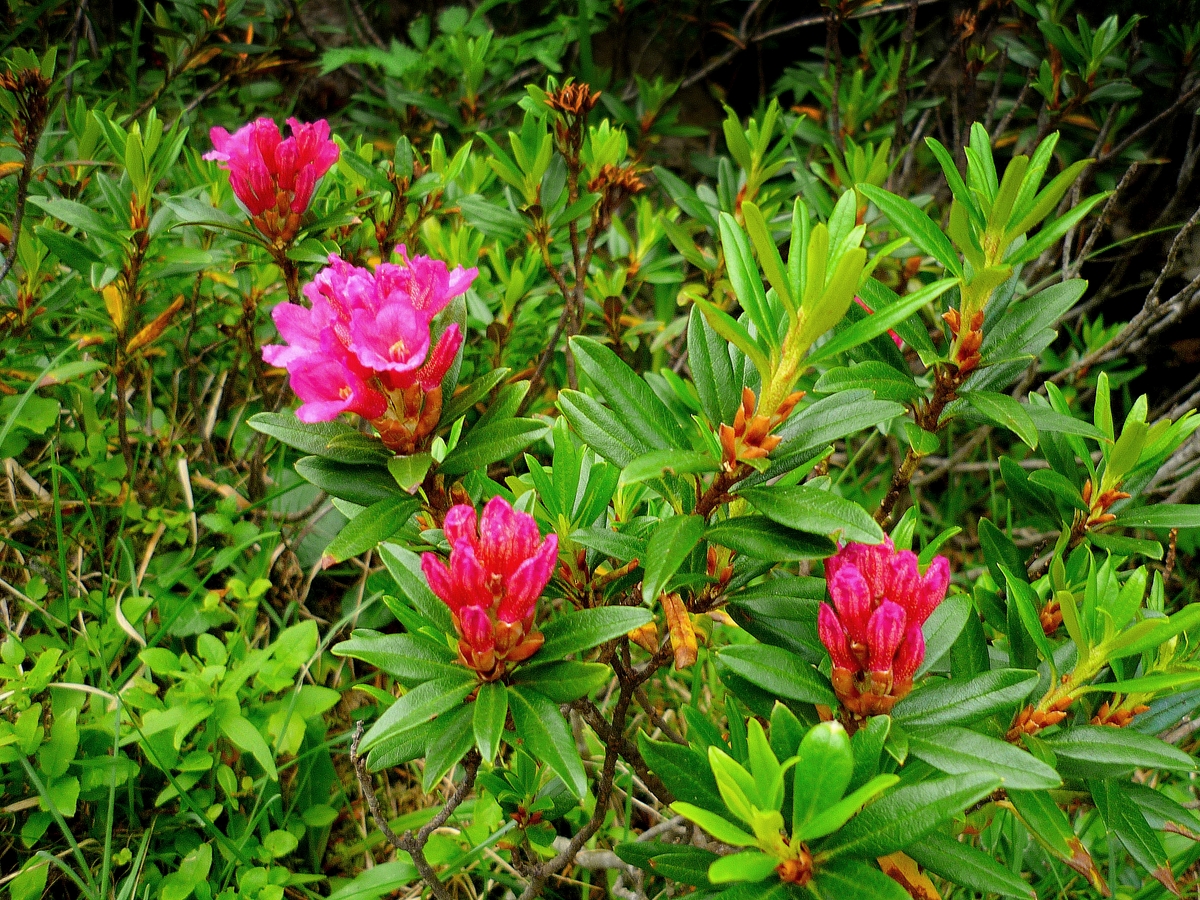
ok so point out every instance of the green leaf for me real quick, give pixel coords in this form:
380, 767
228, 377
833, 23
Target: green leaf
363, 485
834, 817
678, 862
493, 441
247, 738
1047, 823
450, 737
907, 814
960, 702
1026, 602
601, 428
666, 550
712, 370
879, 322
564, 681
917, 226
312, 438
778, 672
79, 215
957, 751
582, 630
685, 196
753, 865
768, 254
408, 659
542, 730
683, 769
744, 277
735, 333
626, 394
404, 566
842, 879
1052, 232
760, 538
491, 709
808, 508
960, 863
1125, 820
658, 463
720, 828
943, 627
410, 471
1101, 752
373, 525
420, 705
1006, 412
886, 382
1163, 515
823, 772
466, 398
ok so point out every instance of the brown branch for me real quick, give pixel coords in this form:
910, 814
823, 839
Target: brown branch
414, 844
718, 491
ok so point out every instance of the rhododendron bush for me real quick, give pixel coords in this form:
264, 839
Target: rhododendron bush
583, 529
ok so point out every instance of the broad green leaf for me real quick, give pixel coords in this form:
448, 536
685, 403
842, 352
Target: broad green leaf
450, 737
720, 828
312, 438
564, 681
919, 228
405, 568
583, 629
404, 657
753, 865
1047, 823
491, 709
960, 702
372, 526
491, 442
679, 862
908, 813
808, 508
247, 738
542, 730
778, 672
962, 864
1102, 752
1006, 412
363, 485
957, 751
657, 463
1163, 515
683, 769
760, 538
1026, 601
1125, 820
420, 705
626, 394
823, 772
943, 627
666, 550
834, 817
842, 879
886, 382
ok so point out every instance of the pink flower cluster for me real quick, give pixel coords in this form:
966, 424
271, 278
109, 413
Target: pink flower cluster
873, 630
273, 177
364, 345
498, 568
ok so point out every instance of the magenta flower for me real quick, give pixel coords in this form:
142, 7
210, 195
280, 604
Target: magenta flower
498, 569
364, 344
873, 630
273, 177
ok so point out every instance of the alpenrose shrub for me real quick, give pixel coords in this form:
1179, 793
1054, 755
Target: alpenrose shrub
856, 724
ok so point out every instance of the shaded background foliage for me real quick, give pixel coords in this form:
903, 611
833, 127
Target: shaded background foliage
379, 71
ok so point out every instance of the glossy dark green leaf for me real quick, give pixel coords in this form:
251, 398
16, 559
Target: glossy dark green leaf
584, 629
916, 226
760, 538
1125, 820
678, 862
943, 627
541, 729
712, 370
490, 710
669, 546
564, 680
375, 524
486, 444
907, 813
684, 770
420, 705
405, 568
884, 381
962, 864
961, 702
841, 879
454, 738
359, 484
1050, 826
602, 429
1164, 515
312, 438
958, 751
404, 657
778, 672
1097, 751
626, 394
1005, 411
807, 508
